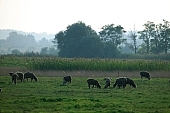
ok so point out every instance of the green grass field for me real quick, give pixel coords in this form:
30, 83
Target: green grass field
48, 95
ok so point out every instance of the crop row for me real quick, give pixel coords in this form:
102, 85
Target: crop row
96, 64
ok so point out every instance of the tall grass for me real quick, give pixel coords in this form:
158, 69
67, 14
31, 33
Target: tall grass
98, 64
95, 64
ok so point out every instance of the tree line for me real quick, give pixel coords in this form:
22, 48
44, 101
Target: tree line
44, 52
19, 44
80, 40
156, 37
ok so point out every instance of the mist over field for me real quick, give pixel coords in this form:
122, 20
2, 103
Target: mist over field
39, 41
23, 41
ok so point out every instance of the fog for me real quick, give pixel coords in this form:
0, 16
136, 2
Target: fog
24, 42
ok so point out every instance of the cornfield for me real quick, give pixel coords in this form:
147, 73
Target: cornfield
96, 64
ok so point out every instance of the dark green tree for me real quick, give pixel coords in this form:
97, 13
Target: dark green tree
110, 50
112, 34
165, 34
112, 37
156, 46
160, 41
60, 42
78, 40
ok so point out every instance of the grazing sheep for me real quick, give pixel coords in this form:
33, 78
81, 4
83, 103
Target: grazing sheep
0, 90
120, 82
94, 83
131, 82
145, 74
30, 75
123, 81
66, 79
108, 82
107, 78
14, 77
20, 75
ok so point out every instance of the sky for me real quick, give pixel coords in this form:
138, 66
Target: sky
52, 16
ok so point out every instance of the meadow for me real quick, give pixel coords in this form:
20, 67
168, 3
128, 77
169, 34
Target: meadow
49, 95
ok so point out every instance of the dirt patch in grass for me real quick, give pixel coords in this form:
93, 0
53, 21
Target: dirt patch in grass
6, 70
134, 74
154, 74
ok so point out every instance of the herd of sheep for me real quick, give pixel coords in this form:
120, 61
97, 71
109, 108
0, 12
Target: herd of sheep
120, 82
20, 76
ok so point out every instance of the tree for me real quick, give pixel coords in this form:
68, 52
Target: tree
44, 43
52, 51
165, 33
147, 34
133, 36
160, 37
44, 51
110, 50
112, 37
156, 43
78, 40
60, 42
29, 40
16, 40
15, 52
112, 34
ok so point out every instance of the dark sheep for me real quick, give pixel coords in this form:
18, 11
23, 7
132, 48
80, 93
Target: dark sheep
145, 74
20, 76
123, 81
131, 82
30, 75
108, 82
94, 83
66, 79
120, 82
14, 77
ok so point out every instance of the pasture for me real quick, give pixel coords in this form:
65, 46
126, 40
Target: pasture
49, 95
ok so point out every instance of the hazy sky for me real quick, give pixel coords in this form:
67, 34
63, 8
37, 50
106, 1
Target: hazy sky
52, 16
